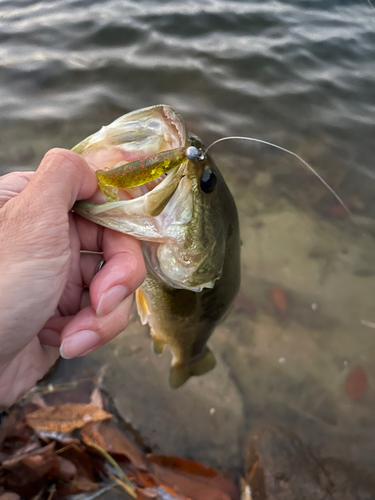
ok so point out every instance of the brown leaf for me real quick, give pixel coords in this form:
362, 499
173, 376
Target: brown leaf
143, 494
9, 424
90, 435
66, 438
31, 467
96, 398
73, 392
143, 479
9, 496
65, 418
84, 484
87, 465
192, 479
109, 437
279, 299
14, 461
67, 469
356, 383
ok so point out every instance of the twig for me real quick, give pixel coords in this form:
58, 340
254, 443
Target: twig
129, 490
52, 492
127, 485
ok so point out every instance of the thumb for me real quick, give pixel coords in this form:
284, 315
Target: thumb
62, 178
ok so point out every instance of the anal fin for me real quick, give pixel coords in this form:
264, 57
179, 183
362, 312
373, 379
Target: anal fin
179, 374
158, 344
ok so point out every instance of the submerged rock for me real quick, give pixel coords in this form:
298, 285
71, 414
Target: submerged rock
279, 466
201, 420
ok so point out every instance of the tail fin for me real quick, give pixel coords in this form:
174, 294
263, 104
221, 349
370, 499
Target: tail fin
179, 374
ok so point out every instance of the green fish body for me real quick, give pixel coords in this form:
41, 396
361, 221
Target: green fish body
189, 227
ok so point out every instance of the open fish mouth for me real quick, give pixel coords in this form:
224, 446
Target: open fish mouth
133, 136
181, 246
157, 213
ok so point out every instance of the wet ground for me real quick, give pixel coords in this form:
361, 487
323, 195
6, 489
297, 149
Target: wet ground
296, 350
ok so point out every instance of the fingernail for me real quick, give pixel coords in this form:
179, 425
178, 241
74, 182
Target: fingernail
110, 299
78, 343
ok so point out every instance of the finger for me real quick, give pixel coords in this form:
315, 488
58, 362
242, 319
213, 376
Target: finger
87, 332
90, 234
12, 184
90, 263
62, 178
51, 332
123, 272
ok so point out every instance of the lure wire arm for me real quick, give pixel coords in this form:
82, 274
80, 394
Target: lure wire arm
309, 167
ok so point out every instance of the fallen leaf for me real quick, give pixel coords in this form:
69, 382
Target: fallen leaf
91, 436
38, 401
192, 479
65, 418
75, 392
88, 465
67, 469
109, 437
143, 479
356, 383
84, 484
279, 299
143, 494
8, 425
30, 467
62, 438
14, 461
96, 398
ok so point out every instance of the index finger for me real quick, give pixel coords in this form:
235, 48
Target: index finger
62, 178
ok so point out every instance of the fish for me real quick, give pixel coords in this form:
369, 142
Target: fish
188, 224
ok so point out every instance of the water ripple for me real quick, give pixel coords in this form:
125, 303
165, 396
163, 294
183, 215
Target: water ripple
228, 66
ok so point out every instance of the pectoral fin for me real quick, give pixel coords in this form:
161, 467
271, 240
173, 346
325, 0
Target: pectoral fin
141, 306
179, 374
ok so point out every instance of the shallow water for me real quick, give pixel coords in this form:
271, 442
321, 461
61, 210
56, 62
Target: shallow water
299, 73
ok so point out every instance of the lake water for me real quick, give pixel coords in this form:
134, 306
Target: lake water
299, 73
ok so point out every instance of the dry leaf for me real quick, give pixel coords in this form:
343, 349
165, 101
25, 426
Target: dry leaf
109, 437
84, 484
356, 383
192, 479
67, 469
279, 299
8, 426
65, 418
143, 494
27, 469
96, 398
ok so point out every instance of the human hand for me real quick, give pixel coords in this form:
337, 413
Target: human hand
51, 295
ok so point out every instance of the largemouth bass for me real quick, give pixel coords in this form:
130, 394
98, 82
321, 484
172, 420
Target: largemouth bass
188, 224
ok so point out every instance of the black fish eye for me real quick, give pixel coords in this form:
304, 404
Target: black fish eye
208, 181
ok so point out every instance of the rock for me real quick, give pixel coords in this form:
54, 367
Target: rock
279, 466
202, 420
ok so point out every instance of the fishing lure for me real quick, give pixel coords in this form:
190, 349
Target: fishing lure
139, 172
